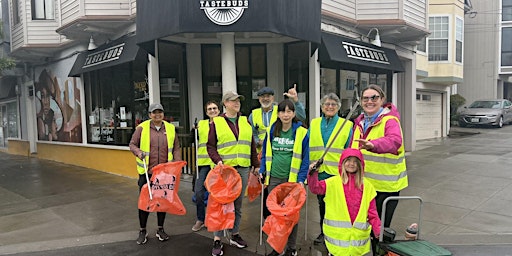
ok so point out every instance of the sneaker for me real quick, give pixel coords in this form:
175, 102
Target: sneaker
217, 248
290, 252
162, 236
237, 241
319, 239
198, 226
274, 253
143, 237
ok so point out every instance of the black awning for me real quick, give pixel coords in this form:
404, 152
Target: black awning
117, 52
358, 55
160, 18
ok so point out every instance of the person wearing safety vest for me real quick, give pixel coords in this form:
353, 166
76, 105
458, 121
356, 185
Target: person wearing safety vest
204, 162
322, 131
230, 142
262, 118
350, 210
378, 135
154, 141
285, 157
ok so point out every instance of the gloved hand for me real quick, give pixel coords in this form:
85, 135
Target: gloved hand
142, 155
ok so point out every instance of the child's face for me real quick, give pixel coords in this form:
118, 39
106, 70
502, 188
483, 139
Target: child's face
350, 164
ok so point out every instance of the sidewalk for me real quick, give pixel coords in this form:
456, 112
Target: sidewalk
465, 182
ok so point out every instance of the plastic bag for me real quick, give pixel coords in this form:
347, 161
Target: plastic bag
253, 187
165, 184
225, 186
284, 202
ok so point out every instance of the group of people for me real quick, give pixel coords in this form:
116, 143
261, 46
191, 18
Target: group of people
365, 162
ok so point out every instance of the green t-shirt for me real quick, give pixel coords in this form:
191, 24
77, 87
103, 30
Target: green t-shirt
282, 153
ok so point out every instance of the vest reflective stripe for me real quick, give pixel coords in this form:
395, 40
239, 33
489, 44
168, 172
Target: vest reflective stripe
387, 172
316, 145
300, 134
145, 140
203, 159
257, 119
232, 151
342, 237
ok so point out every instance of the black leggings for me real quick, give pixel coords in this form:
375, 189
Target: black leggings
143, 215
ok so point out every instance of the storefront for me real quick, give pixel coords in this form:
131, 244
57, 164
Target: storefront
9, 111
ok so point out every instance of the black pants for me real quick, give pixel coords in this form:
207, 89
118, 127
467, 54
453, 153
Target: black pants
143, 215
321, 208
390, 210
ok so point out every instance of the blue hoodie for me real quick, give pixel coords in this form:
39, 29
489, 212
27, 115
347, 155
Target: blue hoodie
303, 171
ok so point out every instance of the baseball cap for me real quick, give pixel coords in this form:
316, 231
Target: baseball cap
265, 90
155, 106
232, 96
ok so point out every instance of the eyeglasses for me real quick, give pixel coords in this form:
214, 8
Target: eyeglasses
210, 109
329, 104
374, 98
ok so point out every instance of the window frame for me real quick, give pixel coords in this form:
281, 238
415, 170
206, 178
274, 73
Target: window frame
433, 37
457, 34
48, 11
502, 51
506, 8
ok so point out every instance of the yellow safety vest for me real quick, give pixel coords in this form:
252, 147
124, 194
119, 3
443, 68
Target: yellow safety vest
387, 172
316, 145
203, 159
145, 139
300, 134
257, 119
232, 151
342, 237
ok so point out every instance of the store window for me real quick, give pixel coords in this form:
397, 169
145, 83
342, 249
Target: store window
8, 122
506, 10
297, 69
251, 73
117, 101
438, 39
43, 10
173, 85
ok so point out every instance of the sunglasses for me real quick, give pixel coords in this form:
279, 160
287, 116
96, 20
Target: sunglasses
328, 104
373, 98
214, 108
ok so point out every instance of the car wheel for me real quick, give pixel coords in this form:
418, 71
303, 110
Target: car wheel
500, 122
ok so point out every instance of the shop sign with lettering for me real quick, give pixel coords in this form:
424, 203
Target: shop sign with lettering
223, 12
104, 56
361, 52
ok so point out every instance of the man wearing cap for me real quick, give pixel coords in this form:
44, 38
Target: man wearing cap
263, 117
230, 142
155, 141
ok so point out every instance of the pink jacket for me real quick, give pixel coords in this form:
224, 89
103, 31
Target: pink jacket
392, 140
353, 195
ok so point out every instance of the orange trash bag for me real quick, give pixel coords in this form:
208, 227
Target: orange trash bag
284, 203
165, 184
225, 186
253, 187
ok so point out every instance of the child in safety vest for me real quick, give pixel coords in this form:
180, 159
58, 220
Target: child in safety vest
350, 210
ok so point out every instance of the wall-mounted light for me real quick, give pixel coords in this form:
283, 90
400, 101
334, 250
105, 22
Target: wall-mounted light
92, 45
376, 39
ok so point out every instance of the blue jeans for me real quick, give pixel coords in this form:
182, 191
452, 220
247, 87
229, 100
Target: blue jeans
199, 191
244, 174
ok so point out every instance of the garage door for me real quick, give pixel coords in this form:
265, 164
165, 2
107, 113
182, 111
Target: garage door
428, 115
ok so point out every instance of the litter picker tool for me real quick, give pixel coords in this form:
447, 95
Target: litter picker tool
352, 110
147, 178
196, 146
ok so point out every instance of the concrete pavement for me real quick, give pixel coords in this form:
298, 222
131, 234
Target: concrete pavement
48, 208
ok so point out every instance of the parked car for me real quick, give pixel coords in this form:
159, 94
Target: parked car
495, 112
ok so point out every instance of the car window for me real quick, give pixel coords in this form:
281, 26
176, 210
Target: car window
507, 103
496, 104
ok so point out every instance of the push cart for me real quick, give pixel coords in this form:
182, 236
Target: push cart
417, 247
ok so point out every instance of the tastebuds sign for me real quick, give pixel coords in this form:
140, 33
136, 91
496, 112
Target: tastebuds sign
361, 52
224, 12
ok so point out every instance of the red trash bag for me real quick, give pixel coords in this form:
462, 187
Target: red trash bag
284, 203
253, 187
165, 184
225, 185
